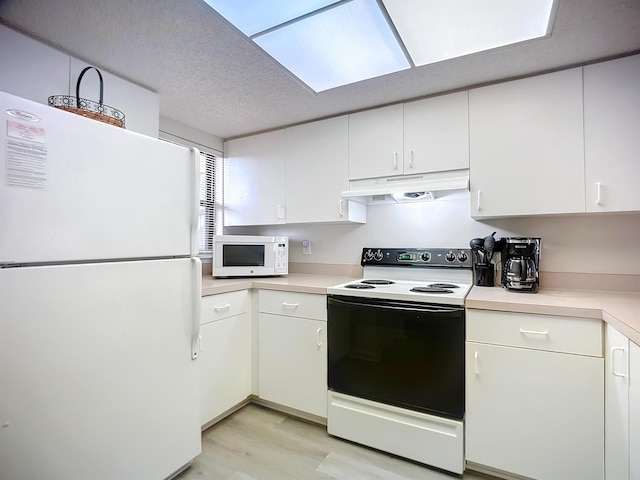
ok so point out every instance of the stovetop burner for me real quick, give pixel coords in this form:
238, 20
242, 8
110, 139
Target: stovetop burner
374, 281
442, 285
430, 289
359, 286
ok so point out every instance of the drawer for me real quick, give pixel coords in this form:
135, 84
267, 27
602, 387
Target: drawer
581, 336
293, 304
223, 305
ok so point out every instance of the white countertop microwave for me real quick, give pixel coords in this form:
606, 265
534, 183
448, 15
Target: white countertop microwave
250, 256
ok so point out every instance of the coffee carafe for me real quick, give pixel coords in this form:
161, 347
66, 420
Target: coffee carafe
520, 264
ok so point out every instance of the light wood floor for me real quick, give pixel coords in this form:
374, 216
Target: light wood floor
257, 443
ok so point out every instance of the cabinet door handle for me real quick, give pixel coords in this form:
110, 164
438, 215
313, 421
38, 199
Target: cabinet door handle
613, 372
410, 158
475, 364
318, 338
534, 332
479, 205
278, 210
395, 160
289, 305
342, 208
598, 192
222, 307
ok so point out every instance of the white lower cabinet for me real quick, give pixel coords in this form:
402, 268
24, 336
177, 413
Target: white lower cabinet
634, 411
225, 358
616, 398
534, 398
293, 350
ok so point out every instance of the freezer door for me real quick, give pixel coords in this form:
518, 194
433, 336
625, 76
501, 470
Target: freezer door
97, 379
77, 189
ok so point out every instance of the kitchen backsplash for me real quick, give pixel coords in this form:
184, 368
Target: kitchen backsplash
603, 245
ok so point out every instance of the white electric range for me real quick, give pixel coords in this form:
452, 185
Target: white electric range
396, 341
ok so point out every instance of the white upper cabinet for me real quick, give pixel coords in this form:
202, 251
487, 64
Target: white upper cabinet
318, 172
376, 143
436, 134
255, 171
527, 147
612, 142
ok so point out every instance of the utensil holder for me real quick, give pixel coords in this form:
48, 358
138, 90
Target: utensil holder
484, 275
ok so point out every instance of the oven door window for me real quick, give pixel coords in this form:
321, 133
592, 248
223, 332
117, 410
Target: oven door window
243, 255
406, 354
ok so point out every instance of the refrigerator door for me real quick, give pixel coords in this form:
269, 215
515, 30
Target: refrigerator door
96, 375
77, 189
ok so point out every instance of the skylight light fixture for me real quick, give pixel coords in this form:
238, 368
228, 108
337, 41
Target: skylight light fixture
329, 43
437, 30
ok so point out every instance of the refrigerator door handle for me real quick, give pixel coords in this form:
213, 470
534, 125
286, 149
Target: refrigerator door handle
196, 301
195, 250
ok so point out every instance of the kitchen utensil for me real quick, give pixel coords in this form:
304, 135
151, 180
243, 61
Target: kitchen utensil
489, 245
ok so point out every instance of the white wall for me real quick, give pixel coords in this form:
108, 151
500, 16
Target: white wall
606, 243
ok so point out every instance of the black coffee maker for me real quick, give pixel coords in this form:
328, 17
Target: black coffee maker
520, 264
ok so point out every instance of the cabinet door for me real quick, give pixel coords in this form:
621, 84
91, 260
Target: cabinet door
526, 146
616, 405
318, 172
224, 365
612, 143
436, 134
535, 413
293, 362
634, 411
375, 143
254, 183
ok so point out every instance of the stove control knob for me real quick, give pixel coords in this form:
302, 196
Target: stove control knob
368, 255
378, 256
450, 257
462, 257
426, 256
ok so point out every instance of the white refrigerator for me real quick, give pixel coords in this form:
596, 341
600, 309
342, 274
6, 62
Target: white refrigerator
100, 290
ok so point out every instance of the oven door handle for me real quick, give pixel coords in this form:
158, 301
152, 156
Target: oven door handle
397, 306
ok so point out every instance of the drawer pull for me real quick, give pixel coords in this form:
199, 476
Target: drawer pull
613, 372
289, 305
222, 307
318, 339
534, 332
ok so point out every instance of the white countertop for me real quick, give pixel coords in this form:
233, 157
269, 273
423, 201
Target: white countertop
621, 310
294, 282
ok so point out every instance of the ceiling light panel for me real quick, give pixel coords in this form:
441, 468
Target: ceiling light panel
255, 16
433, 31
341, 45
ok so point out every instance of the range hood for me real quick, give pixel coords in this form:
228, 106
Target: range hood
409, 188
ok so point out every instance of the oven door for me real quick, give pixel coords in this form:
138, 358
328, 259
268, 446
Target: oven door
407, 354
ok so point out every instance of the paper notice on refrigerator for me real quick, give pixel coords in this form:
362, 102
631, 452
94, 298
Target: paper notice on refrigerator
26, 164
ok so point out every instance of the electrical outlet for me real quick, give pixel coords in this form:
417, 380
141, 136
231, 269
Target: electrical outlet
306, 247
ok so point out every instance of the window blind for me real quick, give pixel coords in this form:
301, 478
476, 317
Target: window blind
210, 220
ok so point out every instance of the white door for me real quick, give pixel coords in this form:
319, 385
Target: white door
616, 382
376, 143
611, 119
76, 189
254, 180
634, 411
535, 413
436, 134
526, 146
96, 375
293, 362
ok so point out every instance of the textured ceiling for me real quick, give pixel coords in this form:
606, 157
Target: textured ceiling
210, 77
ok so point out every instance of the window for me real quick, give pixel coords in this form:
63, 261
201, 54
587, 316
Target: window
210, 220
